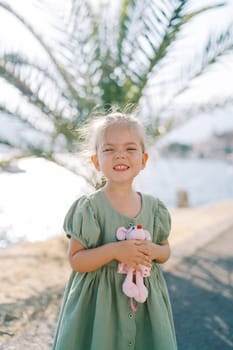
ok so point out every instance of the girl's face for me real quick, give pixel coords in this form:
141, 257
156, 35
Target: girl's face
120, 155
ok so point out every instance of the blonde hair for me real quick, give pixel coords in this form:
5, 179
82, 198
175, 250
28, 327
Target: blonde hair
92, 133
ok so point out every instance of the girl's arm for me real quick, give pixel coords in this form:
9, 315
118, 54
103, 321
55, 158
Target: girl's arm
131, 252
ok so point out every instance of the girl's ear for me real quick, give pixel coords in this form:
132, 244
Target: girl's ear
145, 157
95, 161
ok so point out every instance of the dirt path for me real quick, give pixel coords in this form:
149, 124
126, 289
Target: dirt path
201, 291
32, 278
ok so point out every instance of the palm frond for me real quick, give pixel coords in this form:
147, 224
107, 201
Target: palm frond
17, 115
14, 78
160, 24
217, 46
60, 69
14, 59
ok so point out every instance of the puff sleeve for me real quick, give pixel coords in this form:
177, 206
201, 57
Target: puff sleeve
163, 222
81, 224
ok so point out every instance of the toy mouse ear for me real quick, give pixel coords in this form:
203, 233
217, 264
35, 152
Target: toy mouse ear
121, 233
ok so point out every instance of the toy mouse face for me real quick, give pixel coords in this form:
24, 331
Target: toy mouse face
133, 232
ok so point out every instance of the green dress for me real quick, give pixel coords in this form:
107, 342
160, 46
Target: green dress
95, 314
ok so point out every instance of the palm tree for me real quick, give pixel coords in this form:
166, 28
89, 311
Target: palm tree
99, 58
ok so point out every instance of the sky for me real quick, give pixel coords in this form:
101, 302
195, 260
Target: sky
202, 127
210, 87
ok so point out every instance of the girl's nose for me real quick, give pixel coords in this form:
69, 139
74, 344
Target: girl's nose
120, 154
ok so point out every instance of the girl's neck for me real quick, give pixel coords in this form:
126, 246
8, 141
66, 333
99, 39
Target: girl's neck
119, 191
123, 199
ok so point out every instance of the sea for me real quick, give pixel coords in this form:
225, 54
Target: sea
205, 180
34, 200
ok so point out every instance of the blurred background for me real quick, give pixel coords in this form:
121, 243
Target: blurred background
61, 60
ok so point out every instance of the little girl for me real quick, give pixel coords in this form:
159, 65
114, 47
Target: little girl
96, 314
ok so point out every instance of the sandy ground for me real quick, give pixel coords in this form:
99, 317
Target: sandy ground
33, 275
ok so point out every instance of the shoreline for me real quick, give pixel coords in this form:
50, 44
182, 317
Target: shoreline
33, 275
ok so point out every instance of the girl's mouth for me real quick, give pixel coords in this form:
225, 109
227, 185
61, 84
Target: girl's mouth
121, 167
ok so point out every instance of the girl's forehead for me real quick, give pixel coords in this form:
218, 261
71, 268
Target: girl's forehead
117, 133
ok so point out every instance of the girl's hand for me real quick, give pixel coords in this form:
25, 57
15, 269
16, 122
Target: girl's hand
159, 252
133, 253
148, 247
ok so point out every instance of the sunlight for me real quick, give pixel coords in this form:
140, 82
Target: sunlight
34, 201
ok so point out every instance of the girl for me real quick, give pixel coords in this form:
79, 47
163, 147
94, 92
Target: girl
96, 314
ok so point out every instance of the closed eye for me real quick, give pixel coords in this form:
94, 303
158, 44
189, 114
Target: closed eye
108, 150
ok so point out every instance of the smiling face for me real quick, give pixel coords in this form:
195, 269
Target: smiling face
120, 154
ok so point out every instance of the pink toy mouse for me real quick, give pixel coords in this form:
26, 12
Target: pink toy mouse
135, 290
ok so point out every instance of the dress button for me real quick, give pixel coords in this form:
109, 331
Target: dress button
130, 343
130, 315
